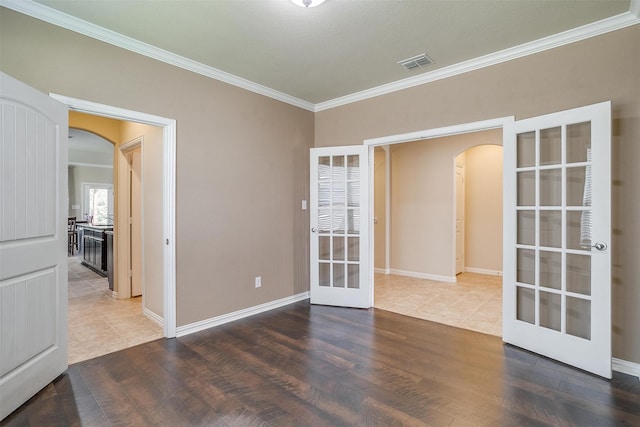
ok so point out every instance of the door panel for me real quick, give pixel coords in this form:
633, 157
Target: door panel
557, 280
33, 239
340, 227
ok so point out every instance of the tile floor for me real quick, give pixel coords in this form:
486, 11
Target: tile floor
98, 323
474, 302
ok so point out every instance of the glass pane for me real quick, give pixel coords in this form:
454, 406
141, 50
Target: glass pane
551, 187
579, 274
353, 167
578, 142
324, 271
324, 168
551, 269
353, 221
551, 229
353, 280
526, 149
579, 317
578, 189
526, 227
337, 172
526, 188
324, 248
338, 275
353, 250
525, 266
550, 310
324, 220
324, 193
526, 303
338, 248
353, 194
99, 205
550, 146
337, 195
579, 230
338, 221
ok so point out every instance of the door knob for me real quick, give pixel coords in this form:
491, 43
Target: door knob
600, 246
313, 230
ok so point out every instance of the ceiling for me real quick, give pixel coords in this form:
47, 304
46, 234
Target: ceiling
89, 149
341, 47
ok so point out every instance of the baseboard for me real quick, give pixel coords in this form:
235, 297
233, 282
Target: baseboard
382, 270
435, 277
629, 368
483, 271
159, 320
237, 315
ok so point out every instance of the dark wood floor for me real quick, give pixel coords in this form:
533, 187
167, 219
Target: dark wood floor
314, 366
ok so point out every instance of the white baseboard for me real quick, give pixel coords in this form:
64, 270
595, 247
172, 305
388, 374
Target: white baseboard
435, 277
155, 318
382, 270
626, 367
237, 315
483, 271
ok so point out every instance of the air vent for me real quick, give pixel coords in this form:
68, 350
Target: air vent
416, 62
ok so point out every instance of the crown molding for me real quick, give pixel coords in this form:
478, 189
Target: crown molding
570, 36
52, 16
60, 19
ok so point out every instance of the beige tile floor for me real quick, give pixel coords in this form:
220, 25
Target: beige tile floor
474, 302
98, 323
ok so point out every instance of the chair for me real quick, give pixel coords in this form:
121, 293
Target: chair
72, 235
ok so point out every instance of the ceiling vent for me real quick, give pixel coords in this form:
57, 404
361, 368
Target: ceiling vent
416, 62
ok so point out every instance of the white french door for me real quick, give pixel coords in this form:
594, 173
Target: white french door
33, 242
340, 229
557, 233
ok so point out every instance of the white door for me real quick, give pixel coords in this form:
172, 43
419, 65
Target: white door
340, 228
557, 232
33, 240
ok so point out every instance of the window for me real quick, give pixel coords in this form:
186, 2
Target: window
98, 203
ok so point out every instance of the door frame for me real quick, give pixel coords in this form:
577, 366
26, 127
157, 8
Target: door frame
169, 191
470, 127
124, 204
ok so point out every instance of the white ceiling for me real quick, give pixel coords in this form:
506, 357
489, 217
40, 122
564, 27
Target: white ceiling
89, 149
341, 47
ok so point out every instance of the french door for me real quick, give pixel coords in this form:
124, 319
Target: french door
557, 234
340, 229
33, 242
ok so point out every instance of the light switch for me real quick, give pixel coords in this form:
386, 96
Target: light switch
304, 205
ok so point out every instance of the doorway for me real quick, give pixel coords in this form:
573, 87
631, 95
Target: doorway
113, 308
167, 194
425, 275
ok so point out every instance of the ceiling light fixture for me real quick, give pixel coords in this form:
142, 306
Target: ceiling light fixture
307, 3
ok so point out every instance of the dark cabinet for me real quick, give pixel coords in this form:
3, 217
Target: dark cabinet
109, 235
94, 248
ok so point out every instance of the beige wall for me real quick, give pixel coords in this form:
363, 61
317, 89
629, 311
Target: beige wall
422, 202
483, 206
602, 68
242, 162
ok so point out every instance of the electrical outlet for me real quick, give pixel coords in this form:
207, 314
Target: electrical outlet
258, 281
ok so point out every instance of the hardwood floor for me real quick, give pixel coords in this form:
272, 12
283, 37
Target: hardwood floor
322, 366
